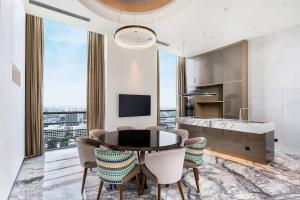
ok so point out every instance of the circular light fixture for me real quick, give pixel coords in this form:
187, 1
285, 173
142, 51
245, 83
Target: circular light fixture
135, 37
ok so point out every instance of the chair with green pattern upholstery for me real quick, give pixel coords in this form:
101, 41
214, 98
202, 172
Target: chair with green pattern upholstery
117, 168
193, 156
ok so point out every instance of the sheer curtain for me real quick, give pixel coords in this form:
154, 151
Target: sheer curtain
95, 86
34, 134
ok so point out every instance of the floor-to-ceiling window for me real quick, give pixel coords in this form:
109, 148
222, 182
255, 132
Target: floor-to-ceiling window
65, 74
167, 67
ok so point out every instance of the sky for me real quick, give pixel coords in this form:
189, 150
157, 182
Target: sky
167, 80
65, 68
65, 65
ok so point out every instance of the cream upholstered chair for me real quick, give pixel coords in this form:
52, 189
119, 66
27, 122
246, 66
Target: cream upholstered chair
184, 135
86, 147
154, 128
116, 168
193, 156
164, 168
96, 133
124, 128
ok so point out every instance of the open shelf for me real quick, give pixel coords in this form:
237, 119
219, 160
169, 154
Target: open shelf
210, 106
205, 102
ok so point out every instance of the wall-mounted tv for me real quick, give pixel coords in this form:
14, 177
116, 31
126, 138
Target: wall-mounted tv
134, 105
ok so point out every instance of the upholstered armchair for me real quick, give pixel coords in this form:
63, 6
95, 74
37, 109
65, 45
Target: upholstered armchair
164, 168
193, 156
184, 135
116, 168
96, 133
124, 128
86, 147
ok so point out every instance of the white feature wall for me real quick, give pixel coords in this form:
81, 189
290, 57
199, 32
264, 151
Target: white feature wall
274, 85
12, 52
129, 72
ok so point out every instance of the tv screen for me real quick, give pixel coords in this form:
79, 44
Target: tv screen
134, 105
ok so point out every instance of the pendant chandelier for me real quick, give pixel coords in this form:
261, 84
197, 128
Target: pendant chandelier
135, 37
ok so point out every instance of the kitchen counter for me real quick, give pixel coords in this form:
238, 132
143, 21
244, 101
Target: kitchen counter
253, 141
229, 124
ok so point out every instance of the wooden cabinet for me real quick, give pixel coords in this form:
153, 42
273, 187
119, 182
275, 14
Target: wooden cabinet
224, 71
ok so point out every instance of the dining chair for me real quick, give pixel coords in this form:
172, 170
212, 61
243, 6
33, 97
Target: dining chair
96, 133
86, 147
116, 168
184, 135
154, 128
164, 168
193, 156
124, 128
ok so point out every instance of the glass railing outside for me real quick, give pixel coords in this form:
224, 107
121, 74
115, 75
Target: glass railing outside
62, 128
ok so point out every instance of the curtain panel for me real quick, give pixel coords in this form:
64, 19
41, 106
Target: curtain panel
34, 134
181, 87
95, 85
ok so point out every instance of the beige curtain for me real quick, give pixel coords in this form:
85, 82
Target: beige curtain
158, 90
95, 86
34, 134
181, 87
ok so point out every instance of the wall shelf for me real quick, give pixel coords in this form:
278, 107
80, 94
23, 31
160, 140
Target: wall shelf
205, 102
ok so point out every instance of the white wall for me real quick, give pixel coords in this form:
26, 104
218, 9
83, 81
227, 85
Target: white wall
274, 84
129, 72
12, 50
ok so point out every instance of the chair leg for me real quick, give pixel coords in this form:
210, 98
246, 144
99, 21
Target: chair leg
180, 189
121, 192
83, 179
137, 181
100, 189
196, 175
143, 184
158, 191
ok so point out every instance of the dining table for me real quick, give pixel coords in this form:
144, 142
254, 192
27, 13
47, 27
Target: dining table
140, 140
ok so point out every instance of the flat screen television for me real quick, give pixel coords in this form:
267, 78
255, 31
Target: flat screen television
134, 105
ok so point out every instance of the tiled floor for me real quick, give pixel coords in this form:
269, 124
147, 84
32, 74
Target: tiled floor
57, 175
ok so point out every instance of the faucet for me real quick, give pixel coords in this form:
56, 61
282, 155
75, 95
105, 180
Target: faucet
240, 115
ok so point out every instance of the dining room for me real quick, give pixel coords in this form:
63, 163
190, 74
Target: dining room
149, 99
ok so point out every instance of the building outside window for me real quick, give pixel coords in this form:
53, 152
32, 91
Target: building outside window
65, 76
167, 64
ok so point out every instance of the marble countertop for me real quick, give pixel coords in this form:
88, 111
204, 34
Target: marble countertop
229, 124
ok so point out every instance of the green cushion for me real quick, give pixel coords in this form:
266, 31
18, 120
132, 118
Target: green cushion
113, 166
194, 152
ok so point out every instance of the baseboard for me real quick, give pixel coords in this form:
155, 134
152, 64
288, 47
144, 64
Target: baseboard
287, 149
13, 185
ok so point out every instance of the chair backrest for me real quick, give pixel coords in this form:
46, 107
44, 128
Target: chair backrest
154, 128
96, 133
194, 149
167, 166
184, 135
86, 147
113, 166
124, 128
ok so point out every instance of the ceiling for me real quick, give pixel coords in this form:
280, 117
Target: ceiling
190, 27
135, 5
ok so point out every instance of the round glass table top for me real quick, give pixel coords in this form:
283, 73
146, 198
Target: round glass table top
140, 140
